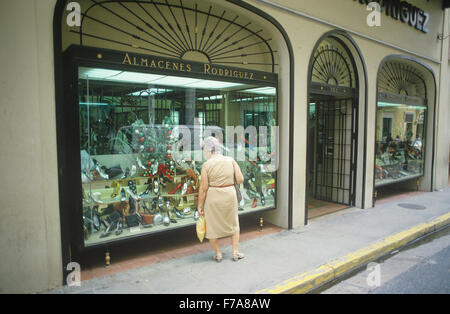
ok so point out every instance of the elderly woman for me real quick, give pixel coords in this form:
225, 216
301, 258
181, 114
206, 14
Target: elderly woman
217, 197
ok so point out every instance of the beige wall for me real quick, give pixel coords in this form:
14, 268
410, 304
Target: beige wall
350, 14
29, 229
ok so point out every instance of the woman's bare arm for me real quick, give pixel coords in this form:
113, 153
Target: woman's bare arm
204, 184
238, 173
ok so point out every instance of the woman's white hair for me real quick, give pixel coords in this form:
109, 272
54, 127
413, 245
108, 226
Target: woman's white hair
211, 144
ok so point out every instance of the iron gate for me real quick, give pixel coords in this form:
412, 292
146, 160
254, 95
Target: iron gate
334, 149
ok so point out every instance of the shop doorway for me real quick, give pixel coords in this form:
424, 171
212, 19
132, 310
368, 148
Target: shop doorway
332, 126
332, 149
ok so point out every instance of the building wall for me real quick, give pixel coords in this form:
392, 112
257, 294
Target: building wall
300, 20
30, 229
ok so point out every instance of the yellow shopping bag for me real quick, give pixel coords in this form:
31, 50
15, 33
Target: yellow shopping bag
201, 228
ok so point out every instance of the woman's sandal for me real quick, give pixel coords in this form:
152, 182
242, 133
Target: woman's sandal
237, 256
218, 258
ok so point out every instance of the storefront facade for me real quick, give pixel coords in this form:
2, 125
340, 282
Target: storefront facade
338, 109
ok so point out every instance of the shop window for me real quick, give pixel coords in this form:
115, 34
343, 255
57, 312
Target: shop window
135, 71
401, 112
133, 179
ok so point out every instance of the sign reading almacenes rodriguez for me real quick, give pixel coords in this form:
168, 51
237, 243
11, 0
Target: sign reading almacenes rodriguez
403, 11
204, 69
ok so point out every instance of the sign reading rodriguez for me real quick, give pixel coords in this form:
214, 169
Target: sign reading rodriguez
403, 11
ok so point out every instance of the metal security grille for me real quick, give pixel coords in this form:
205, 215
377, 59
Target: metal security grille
332, 123
334, 149
180, 29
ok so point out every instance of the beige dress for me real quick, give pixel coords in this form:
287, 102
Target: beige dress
221, 206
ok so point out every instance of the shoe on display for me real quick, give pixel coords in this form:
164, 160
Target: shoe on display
148, 189
108, 231
155, 168
187, 211
155, 187
116, 187
139, 163
118, 228
123, 195
263, 199
132, 187
158, 219
114, 172
177, 213
154, 207
133, 171
126, 174
160, 204
101, 172
175, 189
171, 217
255, 202
184, 189
166, 220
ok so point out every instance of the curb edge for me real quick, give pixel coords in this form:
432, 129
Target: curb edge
328, 272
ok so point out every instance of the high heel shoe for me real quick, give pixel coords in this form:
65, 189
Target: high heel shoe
177, 213
166, 220
139, 163
155, 187
184, 189
187, 211
154, 207
108, 231
101, 170
116, 187
171, 217
118, 228
133, 190
169, 212
133, 171
148, 189
126, 174
254, 203
175, 189
123, 195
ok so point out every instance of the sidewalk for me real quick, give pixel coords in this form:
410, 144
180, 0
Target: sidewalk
283, 261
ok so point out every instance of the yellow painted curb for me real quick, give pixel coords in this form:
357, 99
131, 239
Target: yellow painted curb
313, 279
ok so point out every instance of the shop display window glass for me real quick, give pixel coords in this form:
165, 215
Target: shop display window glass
400, 142
138, 175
